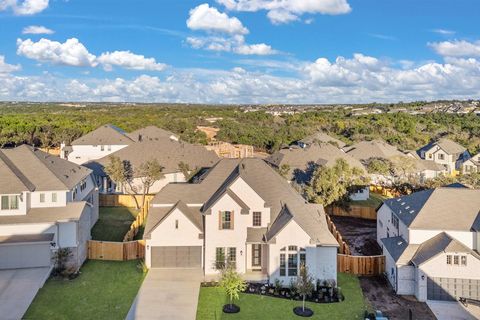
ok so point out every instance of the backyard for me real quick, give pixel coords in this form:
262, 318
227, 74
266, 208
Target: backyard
212, 299
374, 201
113, 223
103, 290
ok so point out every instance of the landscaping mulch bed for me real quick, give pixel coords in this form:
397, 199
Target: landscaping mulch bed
359, 234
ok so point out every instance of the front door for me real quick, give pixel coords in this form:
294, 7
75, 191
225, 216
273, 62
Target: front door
256, 256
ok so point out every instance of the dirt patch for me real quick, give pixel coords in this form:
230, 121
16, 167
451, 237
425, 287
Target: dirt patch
359, 234
381, 296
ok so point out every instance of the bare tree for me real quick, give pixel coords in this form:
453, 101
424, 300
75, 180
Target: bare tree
149, 172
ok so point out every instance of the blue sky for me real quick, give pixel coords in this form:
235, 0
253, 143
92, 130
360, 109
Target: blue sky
239, 51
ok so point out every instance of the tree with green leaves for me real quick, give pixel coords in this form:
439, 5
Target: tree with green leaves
284, 170
149, 172
121, 173
334, 184
304, 284
233, 284
187, 172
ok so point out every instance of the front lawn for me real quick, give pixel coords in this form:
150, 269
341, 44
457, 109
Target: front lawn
211, 301
113, 223
104, 290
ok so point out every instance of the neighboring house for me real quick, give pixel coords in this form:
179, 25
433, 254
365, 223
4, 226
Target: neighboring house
471, 165
151, 133
168, 152
47, 203
320, 137
445, 152
233, 151
431, 241
244, 214
96, 144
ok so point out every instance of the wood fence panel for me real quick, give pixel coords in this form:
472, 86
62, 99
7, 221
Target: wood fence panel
116, 251
354, 211
361, 265
122, 200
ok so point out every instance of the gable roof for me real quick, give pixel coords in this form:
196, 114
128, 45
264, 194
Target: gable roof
364, 150
151, 133
442, 242
447, 145
38, 171
438, 209
322, 137
400, 251
169, 154
269, 185
105, 135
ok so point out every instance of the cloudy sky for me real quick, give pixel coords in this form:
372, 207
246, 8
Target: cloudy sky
239, 51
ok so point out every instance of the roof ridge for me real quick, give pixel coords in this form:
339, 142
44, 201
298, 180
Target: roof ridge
17, 172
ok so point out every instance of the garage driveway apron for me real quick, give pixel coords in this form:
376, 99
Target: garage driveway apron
18, 287
167, 294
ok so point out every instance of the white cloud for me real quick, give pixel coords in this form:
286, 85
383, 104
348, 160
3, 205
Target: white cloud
70, 53
260, 49
457, 48
208, 18
444, 32
128, 60
7, 68
284, 11
37, 30
24, 7
235, 44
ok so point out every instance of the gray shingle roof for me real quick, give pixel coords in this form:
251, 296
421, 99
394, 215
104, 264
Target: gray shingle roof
256, 235
322, 137
442, 242
71, 212
438, 209
447, 145
273, 189
38, 171
27, 238
105, 135
399, 249
150, 133
373, 149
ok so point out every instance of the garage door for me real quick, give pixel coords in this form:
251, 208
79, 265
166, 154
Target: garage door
25, 255
177, 257
452, 289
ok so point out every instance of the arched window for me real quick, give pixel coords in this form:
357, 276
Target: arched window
291, 258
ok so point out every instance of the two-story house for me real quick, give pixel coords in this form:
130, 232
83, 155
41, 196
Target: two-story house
46, 203
244, 214
445, 152
431, 241
471, 165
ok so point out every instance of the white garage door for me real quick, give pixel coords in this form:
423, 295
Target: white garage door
14, 255
177, 257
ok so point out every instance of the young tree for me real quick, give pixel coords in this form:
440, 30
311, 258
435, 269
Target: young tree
187, 172
121, 172
232, 283
304, 284
149, 172
284, 170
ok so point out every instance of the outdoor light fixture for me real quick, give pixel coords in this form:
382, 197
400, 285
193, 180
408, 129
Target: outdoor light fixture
53, 244
241, 252
423, 277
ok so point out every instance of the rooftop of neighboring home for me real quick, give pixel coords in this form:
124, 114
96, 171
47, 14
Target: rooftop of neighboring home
322, 137
25, 168
447, 145
364, 150
151, 133
168, 152
105, 135
317, 153
448, 209
284, 202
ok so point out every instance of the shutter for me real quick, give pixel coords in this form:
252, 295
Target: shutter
219, 220
232, 218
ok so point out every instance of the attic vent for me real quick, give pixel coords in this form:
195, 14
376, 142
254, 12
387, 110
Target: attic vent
399, 243
399, 199
412, 211
403, 203
407, 207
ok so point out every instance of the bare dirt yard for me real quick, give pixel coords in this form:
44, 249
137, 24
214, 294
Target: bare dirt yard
381, 296
359, 234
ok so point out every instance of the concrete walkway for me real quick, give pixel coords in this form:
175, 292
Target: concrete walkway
453, 310
167, 294
18, 288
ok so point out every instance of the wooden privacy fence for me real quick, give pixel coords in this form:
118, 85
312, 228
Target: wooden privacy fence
116, 251
122, 200
384, 191
333, 229
136, 224
361, 265
354, 211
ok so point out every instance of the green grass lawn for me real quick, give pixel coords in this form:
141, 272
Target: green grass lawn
104, 290
113, 223
374, 201
260, 307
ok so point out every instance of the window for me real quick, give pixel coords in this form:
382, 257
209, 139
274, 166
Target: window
54, 197
83, 185
463, 260
380, 223
395, 222
292, 248
42, 197
455, 260
256, 255
176, 224
292, 264
232, 257
102, 148
9, 203
441, 156
449, 259
220, 258
226, 221
257, 219
282, 265
109, 148
430, 156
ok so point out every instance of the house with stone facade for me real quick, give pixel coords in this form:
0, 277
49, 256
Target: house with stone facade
47, 203
241, 213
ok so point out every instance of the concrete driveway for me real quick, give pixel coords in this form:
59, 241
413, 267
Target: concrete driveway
18, 287
167, 294
453, 310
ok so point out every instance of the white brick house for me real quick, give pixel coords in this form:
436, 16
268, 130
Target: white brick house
243, 213
431, 241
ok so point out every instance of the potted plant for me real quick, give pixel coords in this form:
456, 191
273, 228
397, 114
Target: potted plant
304, 286
233, 284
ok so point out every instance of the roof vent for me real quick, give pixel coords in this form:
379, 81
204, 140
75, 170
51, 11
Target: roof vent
412, 211
400, 242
